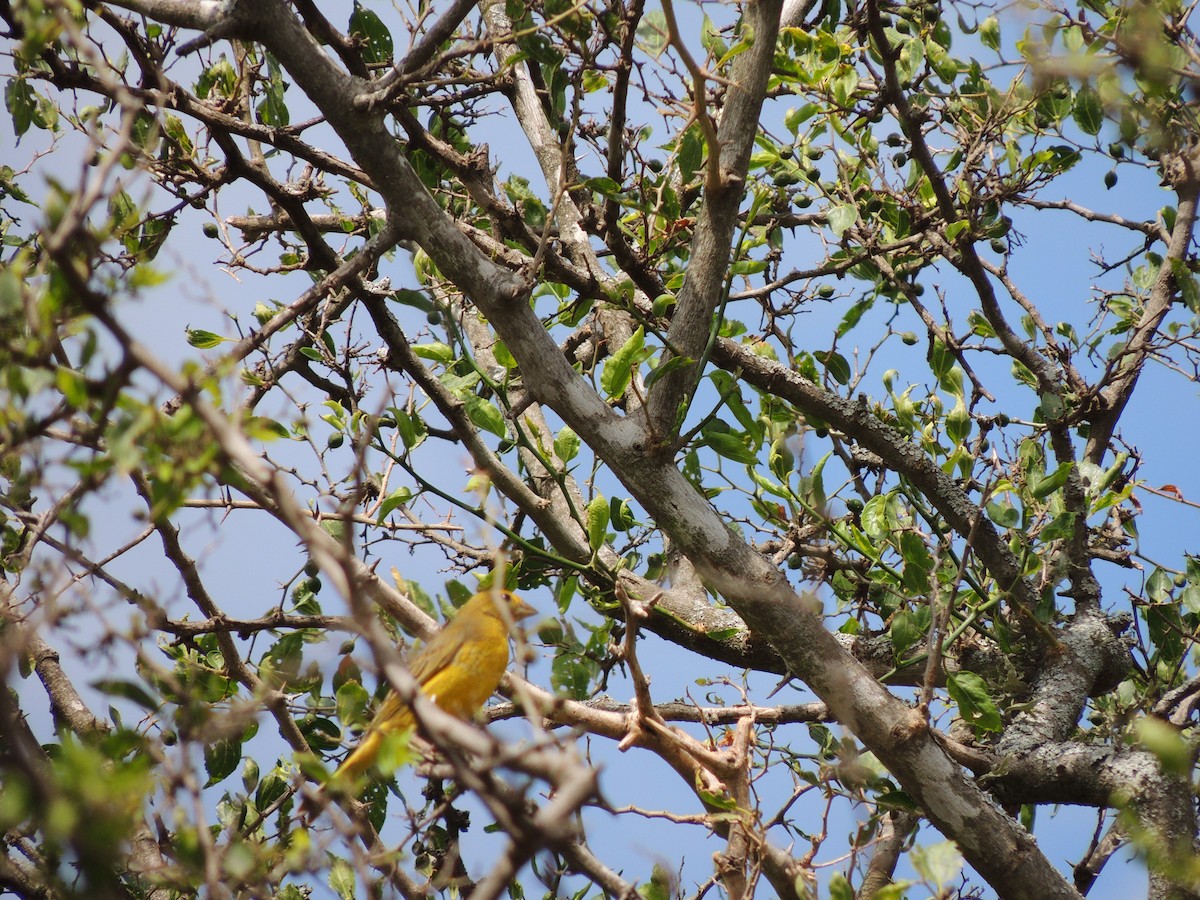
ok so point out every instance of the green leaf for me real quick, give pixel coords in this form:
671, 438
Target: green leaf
918, 564
1166, 631
571, 674
714, 800
781, 460
436, 351
1088, 113
1004, 514
145, 276
903, 632
730, 389
975, 705
395, 751
794, 118
874, 518
335, 528
691, 152
127, 690
748, 267
597, 522
940, 359
221, 758
21, 101
412, 428
1052, 482
841, 217
1165, 741
839, 888
1060, 159
989, 33
816, 482
261, 428
341, 878
621, 514
954, 229
675, 362
484, 415
375, 41
980, 325
1169, 216
504, 355
939, 864
320, 732
219, 75
730, 446
352, 702
1185, 281
711, 40
394, 501
72, 385
745, 42
606, 187
10, 187
1145, 275
912, 57
250, 774
566, 444
843, 85
594, 81
618, 369
409, 297
273, 111
770, 486
958, 423
652, 34
854, 315
203, 340
1158, 585
835, 364
659, 885
945, 65
1062, 526
1190, 598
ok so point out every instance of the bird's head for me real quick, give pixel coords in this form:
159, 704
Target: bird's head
515, 607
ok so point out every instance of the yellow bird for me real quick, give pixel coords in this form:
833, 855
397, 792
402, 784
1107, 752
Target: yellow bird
458, 670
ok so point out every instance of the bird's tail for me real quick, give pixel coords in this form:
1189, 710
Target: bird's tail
361, 758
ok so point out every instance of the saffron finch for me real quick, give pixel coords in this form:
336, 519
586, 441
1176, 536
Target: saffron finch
458, 670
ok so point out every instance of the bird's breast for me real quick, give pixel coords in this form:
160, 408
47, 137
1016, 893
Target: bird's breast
463, 686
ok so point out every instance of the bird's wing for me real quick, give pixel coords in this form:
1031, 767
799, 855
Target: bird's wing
437, 654
425, 664
470, 624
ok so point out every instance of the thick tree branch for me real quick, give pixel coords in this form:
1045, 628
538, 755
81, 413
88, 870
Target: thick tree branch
900, 455
1163, 804
1183, 171
704, 287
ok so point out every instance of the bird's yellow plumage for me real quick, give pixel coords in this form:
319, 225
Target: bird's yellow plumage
458, 669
